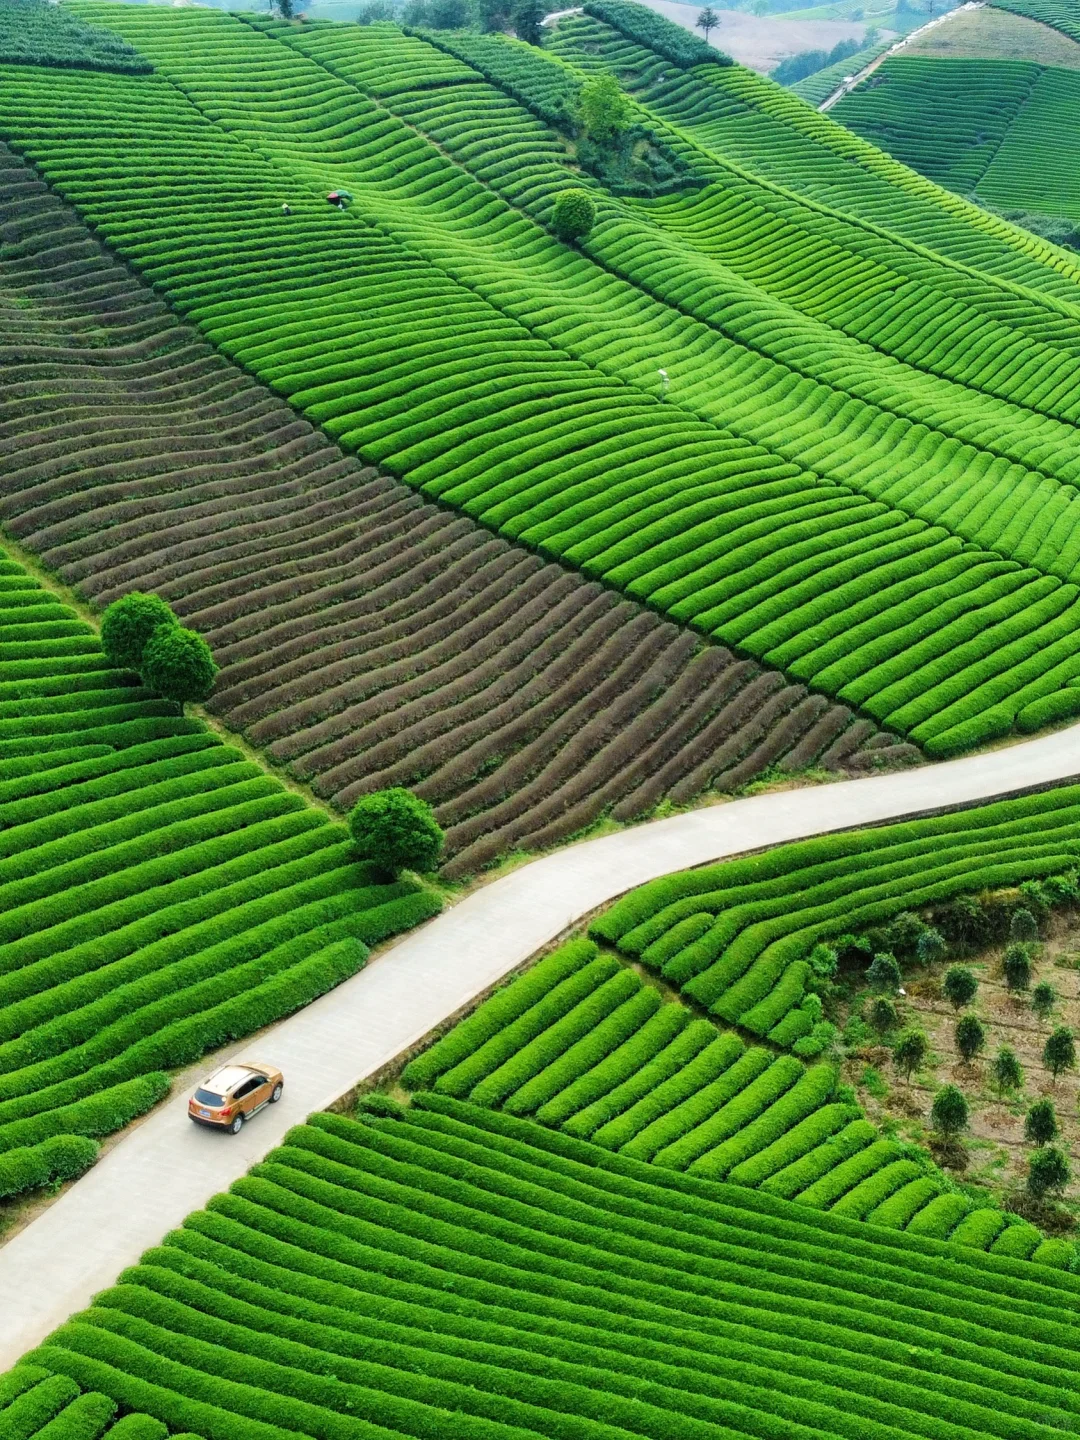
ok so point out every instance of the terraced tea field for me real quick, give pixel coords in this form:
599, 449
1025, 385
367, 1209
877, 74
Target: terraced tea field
461, 1272
335, 598
161, 895
926, 562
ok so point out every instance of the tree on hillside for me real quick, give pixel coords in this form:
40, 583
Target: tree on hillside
285, 8
1043, 999
910, 1051
884, 973
1047, 1170
573, 216
603, 109
525, 17
1022, 927
177, 663
128, 624
1017, 968
883, 1014
960, 986
930, 947
708, 20
1059, 1052
395, 830
1040, 1123
1006, 1072
949, 1112
970, 1037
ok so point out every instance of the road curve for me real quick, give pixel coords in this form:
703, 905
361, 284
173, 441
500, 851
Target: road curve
165, 1167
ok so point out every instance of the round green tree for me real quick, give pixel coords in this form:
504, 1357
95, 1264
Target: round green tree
573, 216
970, 1037
884, 973
1059, 1052
960, 986
395, 830
1006, 1071
178, 664
1040, 1123
1048, 1170
1043, 999
930, 947
910, 1051
1017, 968
883, 1014
128, 624
949, 1112
1022, 927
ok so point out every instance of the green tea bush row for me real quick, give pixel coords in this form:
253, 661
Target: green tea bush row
655, 32
33, 32
64, 1157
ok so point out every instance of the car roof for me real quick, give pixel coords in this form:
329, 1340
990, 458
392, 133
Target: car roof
228, 1076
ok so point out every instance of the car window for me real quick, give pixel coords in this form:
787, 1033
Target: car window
261, 1080
245, 1089
207, 1097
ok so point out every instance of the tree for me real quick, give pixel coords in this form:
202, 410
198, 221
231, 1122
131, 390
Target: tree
395, 830
603, 109
525, 17
1043, 999
949, 1112
1047, 1170
1059, 1052
285, 8
910, 1051
970, 1037
930, 947
1022, 927
178, 664
960, 986
883, 1014
573, 216
1006, 1072
1040, 1123
128, 624
375, 10
1017, 968
708, 20
884, 973
449, 14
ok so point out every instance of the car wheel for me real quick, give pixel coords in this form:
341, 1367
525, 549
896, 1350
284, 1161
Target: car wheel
237, 1125
275, 1094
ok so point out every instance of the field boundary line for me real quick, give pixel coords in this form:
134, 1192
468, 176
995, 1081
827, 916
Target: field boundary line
846, 86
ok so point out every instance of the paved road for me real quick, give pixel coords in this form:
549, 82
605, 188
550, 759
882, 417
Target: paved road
165, 1167
846, 87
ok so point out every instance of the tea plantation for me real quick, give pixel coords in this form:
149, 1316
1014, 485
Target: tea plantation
461, 1272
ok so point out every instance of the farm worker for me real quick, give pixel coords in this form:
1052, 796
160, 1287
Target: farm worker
663, 381
285, 210
339, 198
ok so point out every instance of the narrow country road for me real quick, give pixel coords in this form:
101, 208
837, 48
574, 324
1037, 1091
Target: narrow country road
165, 1167
846, 86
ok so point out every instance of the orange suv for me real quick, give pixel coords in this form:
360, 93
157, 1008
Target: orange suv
234, 1094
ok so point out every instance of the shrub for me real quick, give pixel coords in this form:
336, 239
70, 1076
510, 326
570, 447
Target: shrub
1005, 1072
949, 1112
395, 830
1043, 999
127, 625
1059, 1052
63, 1157
1048, 1171
1040, 1123
376, 1103
604, 109
970, 1037
910, 1051
177, 663
1022, 927
573, 216
526, 16
1017, 968
883, 1014
930, 947
960, 986
884, 973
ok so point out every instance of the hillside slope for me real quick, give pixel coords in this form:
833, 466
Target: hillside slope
905, 458
365, 634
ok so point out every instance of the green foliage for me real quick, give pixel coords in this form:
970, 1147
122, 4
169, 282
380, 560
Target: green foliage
930, 947
1048, 1171
645, 27
706, 21
395, 830
883, 1014
1041, 1123
1043, 999
376, 1103
526, 16
1059, 1052
884, 973
177, 663
910, 1050
128, 624
960, 986
1016, 967
949, 1113
573, 215
808, 62
33, 32
970, 1037
1022, 927
603, 109
63, 1157
1006, 1071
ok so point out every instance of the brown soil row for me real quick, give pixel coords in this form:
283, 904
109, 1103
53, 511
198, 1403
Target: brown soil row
366, 636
